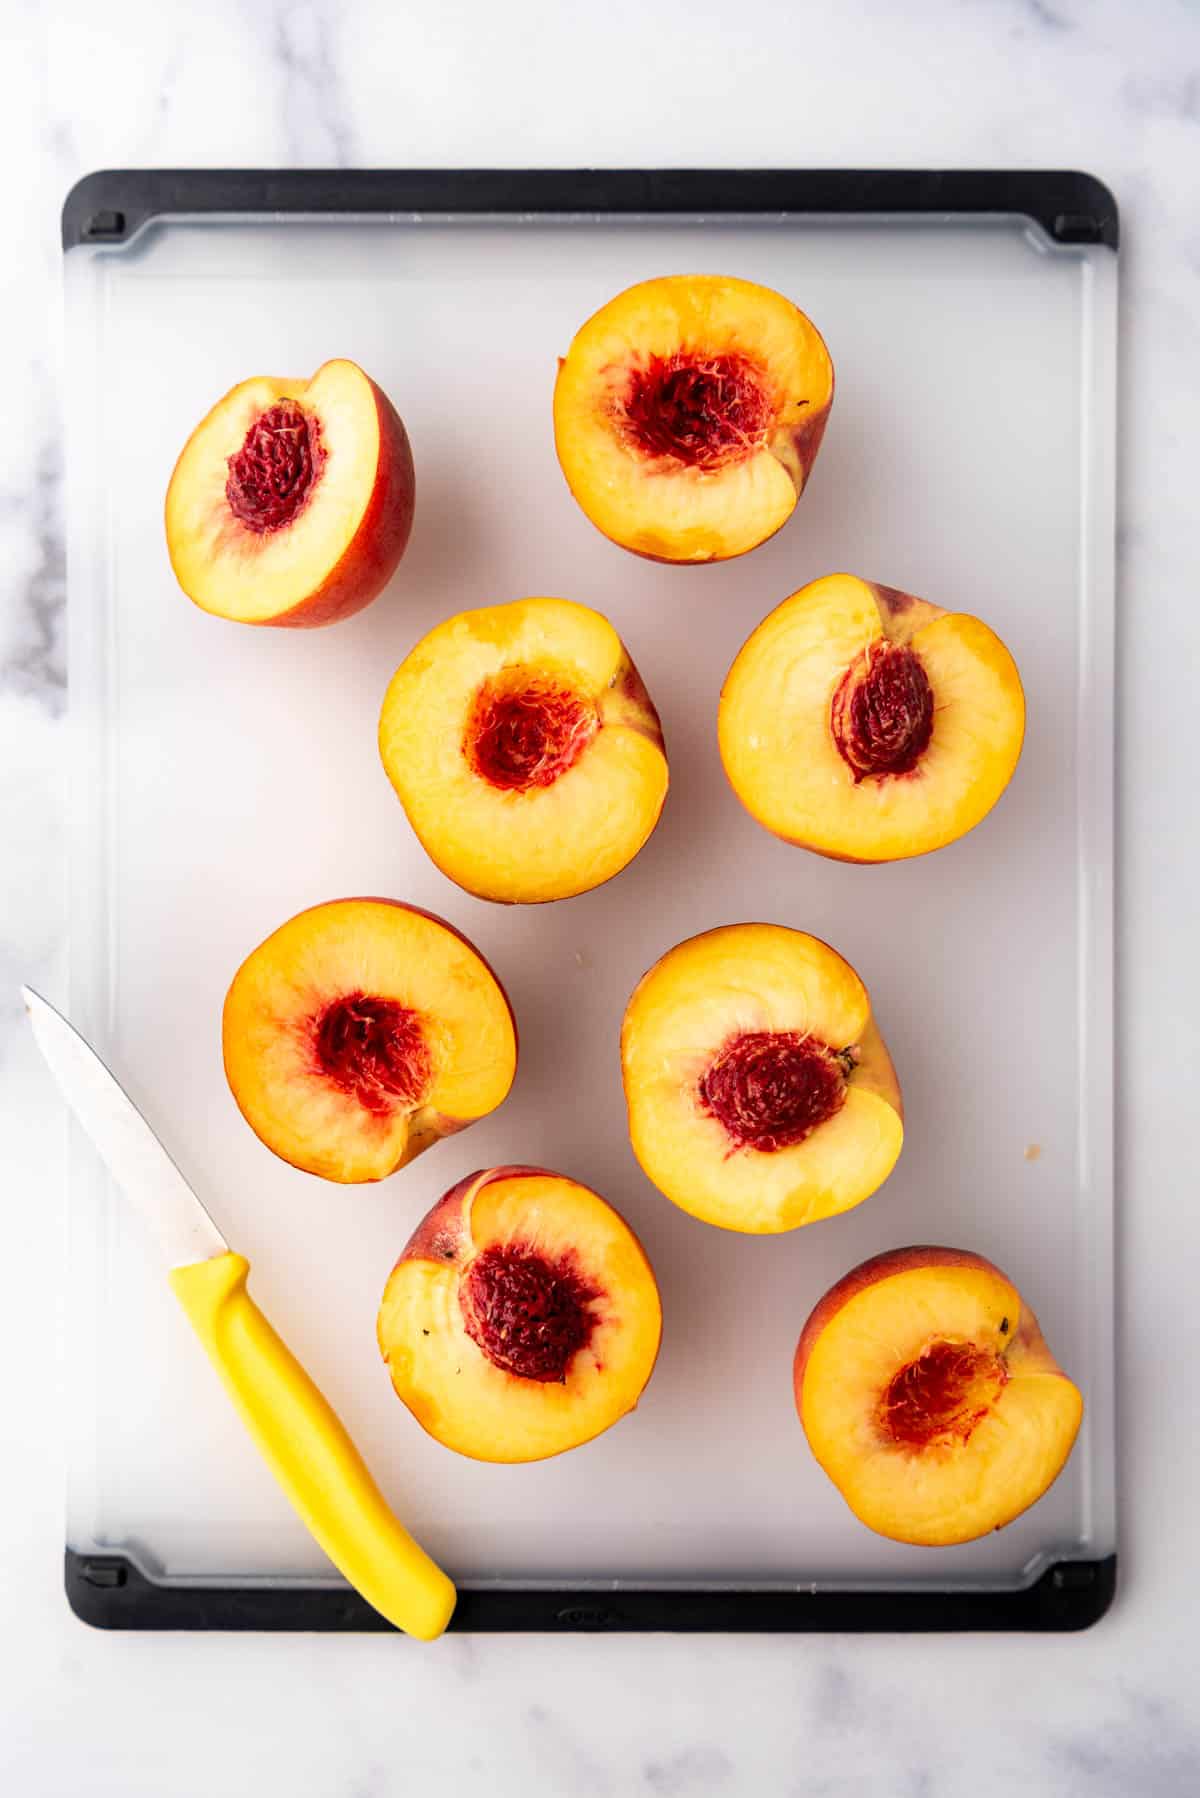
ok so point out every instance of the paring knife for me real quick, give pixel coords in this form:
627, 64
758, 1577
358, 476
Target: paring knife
292, 1423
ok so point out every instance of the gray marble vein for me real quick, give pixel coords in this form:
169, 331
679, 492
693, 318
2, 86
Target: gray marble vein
1143, 1743
33, 658
317, 125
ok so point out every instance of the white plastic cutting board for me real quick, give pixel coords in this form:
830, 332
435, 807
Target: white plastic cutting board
225, 778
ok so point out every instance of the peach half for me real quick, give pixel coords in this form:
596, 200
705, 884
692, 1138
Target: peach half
869, 725
360, 1032
688, 413
760, 1093
523, 1317
525, 750
929, 1397
291, 503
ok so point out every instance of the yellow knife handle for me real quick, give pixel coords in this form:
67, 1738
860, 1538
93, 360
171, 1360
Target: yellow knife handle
307, 1449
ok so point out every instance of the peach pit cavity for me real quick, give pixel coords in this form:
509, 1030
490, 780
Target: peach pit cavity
698, 410
525, 730
882, 712
942, 1395
529, 1314
273, 474
375, 1050
772, 1088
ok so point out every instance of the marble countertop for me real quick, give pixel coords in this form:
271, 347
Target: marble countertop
1052, 83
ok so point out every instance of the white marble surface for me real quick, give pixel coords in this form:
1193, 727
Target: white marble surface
1090, 83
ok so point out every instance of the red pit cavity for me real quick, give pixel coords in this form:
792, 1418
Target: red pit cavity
882, 713
702, 411
771, 1088
274, 472
529, 1315
374, 1049
525, 730
942, 1395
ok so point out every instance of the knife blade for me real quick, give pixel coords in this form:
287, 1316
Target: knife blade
293, 1425
128, 1147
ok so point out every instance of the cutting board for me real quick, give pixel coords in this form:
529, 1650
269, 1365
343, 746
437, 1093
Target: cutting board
224, 778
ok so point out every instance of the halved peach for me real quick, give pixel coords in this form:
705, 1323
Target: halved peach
929, 1396
525, 749
688, 413
292, 502
761, 1095
869, 725
523, 1317
360, 1032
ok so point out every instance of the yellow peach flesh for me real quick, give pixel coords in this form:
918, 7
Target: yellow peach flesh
446, 1378
659, 505
742, 980
554, 839
1010, 1435
777, 741
354, 949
